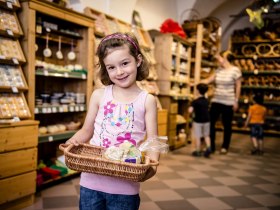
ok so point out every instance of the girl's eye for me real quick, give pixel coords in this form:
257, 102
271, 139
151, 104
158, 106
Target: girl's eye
125, 63
110, 68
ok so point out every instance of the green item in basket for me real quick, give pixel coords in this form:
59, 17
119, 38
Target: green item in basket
63, 171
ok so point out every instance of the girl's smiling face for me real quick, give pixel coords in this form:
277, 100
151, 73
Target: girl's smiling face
122, 66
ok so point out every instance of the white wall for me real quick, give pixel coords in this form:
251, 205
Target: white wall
121, 9
154, 12
229, 24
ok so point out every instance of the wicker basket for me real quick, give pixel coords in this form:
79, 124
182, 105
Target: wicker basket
88, 158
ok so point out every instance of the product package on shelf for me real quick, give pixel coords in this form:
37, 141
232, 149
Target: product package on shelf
12, 76
9, 23
13, 105
11, 49
11, 4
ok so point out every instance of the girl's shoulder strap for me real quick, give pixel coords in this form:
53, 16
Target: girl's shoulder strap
107, 94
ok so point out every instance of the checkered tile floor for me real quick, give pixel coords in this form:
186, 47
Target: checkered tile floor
237, 180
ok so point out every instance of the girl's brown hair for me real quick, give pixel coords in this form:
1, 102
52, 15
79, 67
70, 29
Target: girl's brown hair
117, 40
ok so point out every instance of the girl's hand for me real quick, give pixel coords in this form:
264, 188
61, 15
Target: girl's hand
150, 173
72, 141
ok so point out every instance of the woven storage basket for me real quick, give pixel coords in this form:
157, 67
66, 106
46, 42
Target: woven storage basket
88, 158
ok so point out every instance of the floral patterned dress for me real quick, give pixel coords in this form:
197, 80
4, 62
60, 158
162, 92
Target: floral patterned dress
116, 122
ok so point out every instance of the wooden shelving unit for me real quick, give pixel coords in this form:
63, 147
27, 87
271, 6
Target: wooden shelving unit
18, 134
259, 61
173, 54
47, 26
203, 52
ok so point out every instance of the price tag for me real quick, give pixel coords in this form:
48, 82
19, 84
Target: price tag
50, 138
60, 109
36, 111
15, 61
46, 72
54, 109
9, 5
77, 108
65, 108
44, 110
10, 32
66, 74
255, 57
71, 108
14, 89
2, 57
16, 119
84, 76
82, 108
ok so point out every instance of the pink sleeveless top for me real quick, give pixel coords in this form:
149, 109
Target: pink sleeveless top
116, 122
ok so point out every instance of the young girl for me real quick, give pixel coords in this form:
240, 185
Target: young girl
120, 111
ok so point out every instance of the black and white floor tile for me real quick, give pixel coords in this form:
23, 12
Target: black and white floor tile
237, 180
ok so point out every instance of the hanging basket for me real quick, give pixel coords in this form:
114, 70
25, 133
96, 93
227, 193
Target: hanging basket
264, 49
211, 24
249, 49
89, 158
190, 24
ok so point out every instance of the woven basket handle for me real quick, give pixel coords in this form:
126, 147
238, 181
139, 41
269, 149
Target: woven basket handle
63, 147
154, 163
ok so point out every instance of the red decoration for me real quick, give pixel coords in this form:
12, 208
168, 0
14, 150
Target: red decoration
170, 26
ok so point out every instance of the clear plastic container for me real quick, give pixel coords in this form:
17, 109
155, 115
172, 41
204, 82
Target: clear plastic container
155, 146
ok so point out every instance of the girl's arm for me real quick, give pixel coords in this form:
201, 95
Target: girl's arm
86, 132
151, 116
151, 128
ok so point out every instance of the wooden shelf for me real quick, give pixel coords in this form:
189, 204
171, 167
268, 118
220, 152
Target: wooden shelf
54, 73
57, 180
260, 87
256, 41
264, 72
56, 136
258, 56
12, 89
247, 130
61, 108
41, 80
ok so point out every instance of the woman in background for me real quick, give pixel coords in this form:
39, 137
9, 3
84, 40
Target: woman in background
227, 82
